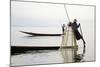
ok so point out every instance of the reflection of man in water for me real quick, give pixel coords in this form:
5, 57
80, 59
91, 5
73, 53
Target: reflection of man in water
75, 27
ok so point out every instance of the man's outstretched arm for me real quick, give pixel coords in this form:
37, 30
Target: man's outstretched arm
78, 25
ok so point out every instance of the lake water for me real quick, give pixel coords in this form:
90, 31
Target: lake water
35, 57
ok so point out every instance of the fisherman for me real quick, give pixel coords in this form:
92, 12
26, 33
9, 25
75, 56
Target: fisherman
75, 27
63, 28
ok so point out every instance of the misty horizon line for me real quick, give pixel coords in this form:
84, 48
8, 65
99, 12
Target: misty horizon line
36, 26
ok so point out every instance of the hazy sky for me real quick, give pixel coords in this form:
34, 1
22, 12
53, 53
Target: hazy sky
41, 14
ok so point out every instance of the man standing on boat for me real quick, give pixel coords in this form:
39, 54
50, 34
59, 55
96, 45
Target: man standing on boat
75, 27
63, 28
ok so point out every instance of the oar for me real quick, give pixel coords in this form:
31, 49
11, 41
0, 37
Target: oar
82, 35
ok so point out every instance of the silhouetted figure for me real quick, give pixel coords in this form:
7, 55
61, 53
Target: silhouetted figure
75, 27
63, 28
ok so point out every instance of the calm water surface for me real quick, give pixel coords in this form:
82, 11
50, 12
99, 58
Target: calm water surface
47, 56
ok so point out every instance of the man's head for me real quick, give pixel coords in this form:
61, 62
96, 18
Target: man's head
64, 25
75, 20
69, 24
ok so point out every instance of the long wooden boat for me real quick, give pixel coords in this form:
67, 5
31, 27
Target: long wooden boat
23, 49
40, 34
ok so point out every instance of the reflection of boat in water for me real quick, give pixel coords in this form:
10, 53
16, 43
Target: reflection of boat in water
40, 34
